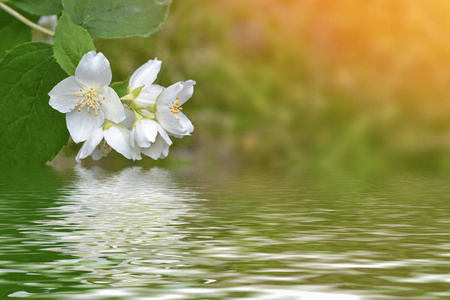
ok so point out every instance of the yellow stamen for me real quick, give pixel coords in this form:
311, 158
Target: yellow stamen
178, 97
89, 99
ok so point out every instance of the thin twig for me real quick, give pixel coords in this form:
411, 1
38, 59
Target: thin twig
24, 20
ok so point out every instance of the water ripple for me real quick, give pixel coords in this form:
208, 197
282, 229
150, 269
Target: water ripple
146, 234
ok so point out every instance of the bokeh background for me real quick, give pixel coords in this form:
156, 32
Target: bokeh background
295, 83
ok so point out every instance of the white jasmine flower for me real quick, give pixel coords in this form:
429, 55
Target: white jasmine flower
169, 111
86, 98
102, 141
159, 149
147, 136
151, 138
167, 106
166, 102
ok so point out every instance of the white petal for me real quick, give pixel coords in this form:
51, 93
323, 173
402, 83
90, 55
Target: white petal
48, 22
81, 125
163, 134
90, 145
169, 95
93, 71
112, 107
165, 150
137, 137
145, 74
136, 150
149, 94
187, 91
145, 132
154, 151
186, 123
136, 153
118, 139
62, 96
169, 121
129, 119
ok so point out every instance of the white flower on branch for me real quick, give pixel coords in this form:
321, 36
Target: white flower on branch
86, 98
151, 138
102, 141
164, 103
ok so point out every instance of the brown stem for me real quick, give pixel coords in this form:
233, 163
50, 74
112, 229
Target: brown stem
24, 20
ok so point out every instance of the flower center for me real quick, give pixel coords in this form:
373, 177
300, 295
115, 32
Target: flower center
175, 108
104, 147
90, 99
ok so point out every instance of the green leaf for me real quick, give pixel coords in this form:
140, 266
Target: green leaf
121, 88
39, 7
118, 18
70, 43
12, 32
31, 132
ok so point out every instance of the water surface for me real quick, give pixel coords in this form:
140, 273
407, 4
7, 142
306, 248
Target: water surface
184, 234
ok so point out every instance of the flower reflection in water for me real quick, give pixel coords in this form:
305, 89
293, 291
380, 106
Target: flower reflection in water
123, 228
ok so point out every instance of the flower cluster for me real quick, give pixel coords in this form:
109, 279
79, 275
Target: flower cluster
139, 123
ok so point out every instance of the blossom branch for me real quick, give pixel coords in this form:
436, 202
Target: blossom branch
24, 20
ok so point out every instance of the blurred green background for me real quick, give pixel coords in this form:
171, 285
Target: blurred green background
290, 83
